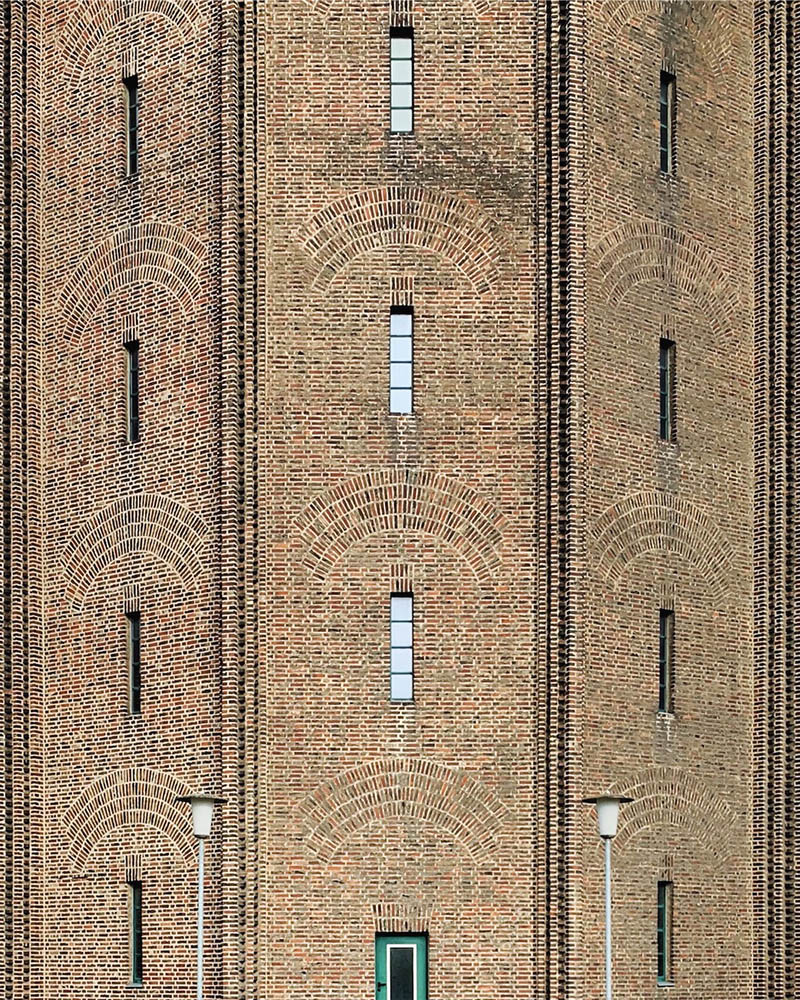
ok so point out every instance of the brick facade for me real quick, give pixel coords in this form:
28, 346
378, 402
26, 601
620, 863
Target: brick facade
272, 504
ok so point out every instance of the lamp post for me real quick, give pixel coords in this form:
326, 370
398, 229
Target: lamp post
607, 807
202, 811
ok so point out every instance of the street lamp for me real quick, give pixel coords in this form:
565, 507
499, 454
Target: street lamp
202, 811
607, 807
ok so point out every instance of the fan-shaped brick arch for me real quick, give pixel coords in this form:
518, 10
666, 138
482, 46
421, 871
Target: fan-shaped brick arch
155, 253
140, 523
402, 500
714, 34
660, 522
429, 220
648, 252
669, 797
387, 789
92, 20
132, 797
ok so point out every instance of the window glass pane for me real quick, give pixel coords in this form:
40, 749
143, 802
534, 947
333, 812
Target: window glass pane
401, 973
402, 608
401, 48
401, 120
402, 70
401, 633
400, 376
402, 687
400, 324
401, 95
400, 401
400, 348
402, 661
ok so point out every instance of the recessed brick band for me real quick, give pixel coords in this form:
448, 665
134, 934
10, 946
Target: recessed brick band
133, 797
155, 253
431, 220
143, 522
402, 500
660, 522
714, 35
665, 796
324, 7
92, 20
652, 252
447, 798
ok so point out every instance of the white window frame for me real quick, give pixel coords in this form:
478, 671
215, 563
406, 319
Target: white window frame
390, 947
396, 80
406, 595
397, 367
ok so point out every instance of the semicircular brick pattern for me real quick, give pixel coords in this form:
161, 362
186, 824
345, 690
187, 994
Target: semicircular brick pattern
430, 220
386, 789
156, 253
714, 32
660, 522
668, 796
131, 797
645, 252
92, 20
401, 500
139, 523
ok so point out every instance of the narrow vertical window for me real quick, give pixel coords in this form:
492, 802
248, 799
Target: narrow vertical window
401, 967
135, 893
402, 79
402, 647
132, 388
132, 124
666, 390
134, 661
664, 932
668, 122
401, 359
666, 658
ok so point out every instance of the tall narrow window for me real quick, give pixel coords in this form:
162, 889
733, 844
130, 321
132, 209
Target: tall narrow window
668, 122
132, 388
666, 658
402, 647
132, 124
402, 79
401, 358
664, 932
401, 967
134, 661
666, 390
135, 892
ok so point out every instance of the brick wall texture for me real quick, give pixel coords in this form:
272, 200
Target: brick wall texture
272, 503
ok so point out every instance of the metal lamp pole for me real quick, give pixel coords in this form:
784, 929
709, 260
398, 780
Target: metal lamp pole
202, 811
607, 819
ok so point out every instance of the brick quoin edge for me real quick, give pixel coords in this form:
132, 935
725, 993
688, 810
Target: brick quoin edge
268, 505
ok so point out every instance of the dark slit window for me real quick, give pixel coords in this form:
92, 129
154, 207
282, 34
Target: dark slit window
132, 124
135, 889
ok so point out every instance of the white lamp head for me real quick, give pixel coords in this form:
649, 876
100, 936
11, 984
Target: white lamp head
607, 807
202, 811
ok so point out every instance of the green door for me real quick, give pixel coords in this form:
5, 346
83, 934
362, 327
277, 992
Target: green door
401, 967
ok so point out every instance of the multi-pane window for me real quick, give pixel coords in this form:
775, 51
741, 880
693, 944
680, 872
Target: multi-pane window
402, 79
664, 932
132, 124
401, 359
402, 647
666, 390
135, 895
667, 123
666, 658
132, 388
401, 967
133, 620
